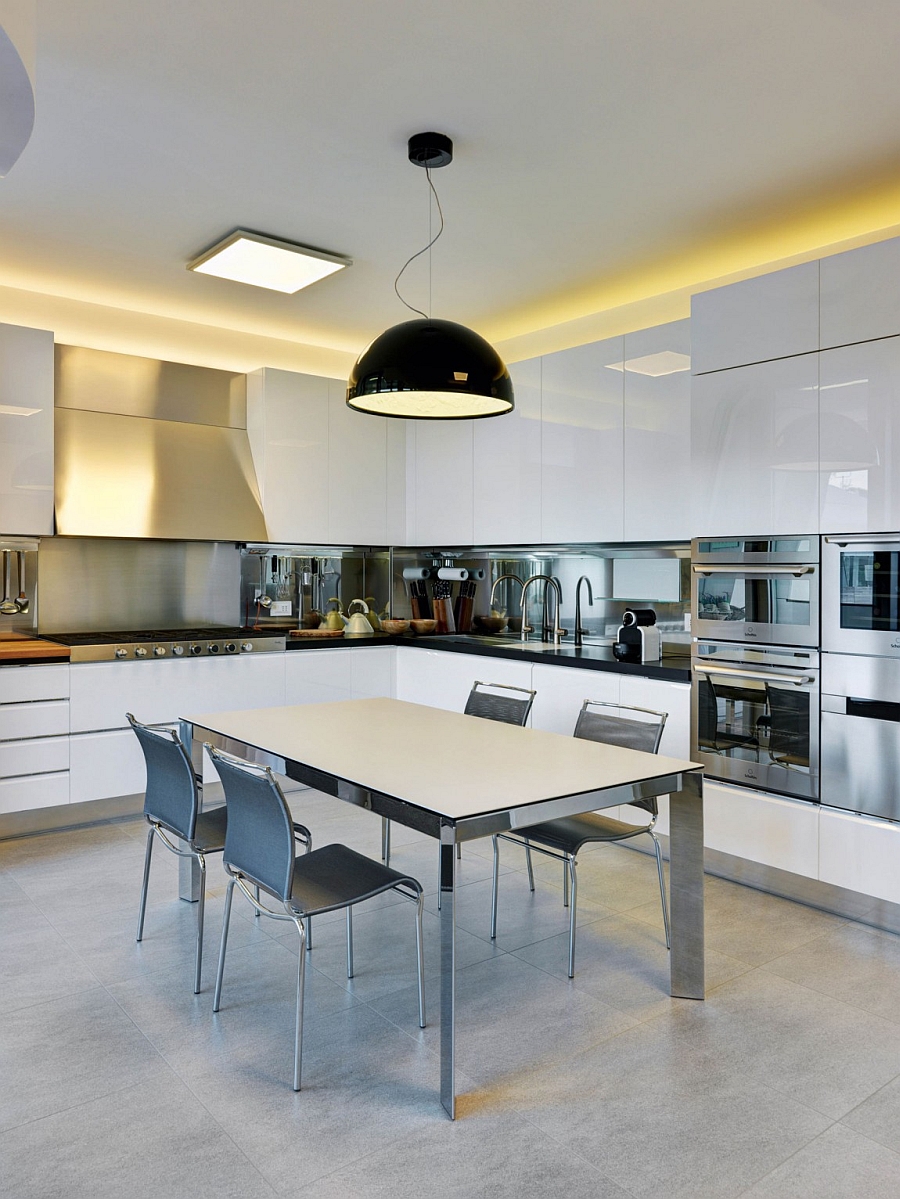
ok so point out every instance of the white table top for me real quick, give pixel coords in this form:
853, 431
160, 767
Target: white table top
457, 766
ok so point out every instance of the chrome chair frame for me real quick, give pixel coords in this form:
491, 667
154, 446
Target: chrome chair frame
405, 885
569, 856
472, 701
186, 834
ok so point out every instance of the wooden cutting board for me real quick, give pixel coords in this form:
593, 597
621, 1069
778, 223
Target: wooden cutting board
23, 649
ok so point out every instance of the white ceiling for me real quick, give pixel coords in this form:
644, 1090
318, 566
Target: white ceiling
593, 138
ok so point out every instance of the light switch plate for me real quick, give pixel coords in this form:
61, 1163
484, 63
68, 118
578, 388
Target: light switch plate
280, 608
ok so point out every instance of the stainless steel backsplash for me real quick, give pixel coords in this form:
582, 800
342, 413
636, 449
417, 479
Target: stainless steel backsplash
91, 584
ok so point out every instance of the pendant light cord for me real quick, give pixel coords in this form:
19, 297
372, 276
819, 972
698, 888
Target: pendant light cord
419, 253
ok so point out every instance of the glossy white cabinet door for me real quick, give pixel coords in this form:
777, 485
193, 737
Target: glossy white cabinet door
859, 294
754, 449
20, 684
357, 473
561, 690
26, 430
444, 482
658, 436
105, 765
444, 680
582, 443
859, 437
34, 791
287, 421
778, 832
507, 468
860, 854
772, 316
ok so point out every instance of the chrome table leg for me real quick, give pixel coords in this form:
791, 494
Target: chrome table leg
448, 969
189, 877
686, 888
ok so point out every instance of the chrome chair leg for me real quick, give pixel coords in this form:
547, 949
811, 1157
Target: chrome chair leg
662, 888
229, 895
140, 928
420, 956
495, 886
565, 885
257, 914
385, 840
349, 942
528, 864
570, 864
201, 904
298, 1026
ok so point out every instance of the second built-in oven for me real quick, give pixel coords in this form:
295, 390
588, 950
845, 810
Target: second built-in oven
764, 591
755, 716
861, 594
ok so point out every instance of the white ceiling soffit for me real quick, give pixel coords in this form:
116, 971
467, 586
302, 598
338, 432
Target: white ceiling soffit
609, 159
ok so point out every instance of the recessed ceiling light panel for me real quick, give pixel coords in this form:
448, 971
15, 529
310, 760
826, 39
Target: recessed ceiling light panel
267, 262
667, 362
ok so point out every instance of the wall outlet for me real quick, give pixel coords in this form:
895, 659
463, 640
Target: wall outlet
280, 608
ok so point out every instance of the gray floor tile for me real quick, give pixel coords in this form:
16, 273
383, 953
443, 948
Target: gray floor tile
37, 963
878, 1117
496, 1156
611, 875
60, 1054
839, 1164
150, 1141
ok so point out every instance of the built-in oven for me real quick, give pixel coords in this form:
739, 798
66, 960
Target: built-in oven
759, 590
755, 716
861, 734
861, 594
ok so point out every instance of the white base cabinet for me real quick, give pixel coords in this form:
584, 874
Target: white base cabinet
860, 853
444, 680
769, 829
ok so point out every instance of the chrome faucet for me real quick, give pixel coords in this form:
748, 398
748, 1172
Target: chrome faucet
498, 581
579, 631
547, 631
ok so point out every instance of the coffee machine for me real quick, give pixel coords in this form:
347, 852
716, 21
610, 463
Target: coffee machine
638, 638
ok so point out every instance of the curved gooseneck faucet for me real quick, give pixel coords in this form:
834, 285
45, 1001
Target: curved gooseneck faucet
579, 631
496, 584
556, 632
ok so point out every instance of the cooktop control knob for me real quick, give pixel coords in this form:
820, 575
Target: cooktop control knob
159, 651
121, 653
177, 650
246, 646
196, 649
140, 652
213, 649
230, 647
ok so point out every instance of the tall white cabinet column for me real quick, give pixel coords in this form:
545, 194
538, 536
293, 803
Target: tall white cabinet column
26, 430
507, 465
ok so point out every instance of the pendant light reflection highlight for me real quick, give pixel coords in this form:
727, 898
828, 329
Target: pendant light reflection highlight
430, 369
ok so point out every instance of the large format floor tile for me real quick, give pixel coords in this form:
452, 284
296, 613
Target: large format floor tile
837, 1164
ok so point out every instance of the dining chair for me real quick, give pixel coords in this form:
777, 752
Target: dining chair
172, 807
631, 728
260, 853
490, 701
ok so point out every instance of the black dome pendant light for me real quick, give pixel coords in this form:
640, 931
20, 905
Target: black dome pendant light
430, 369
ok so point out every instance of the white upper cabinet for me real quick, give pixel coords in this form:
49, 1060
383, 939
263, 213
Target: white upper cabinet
582, 437
772, 316
26, 430
860, 294
442, 509
287, 420
357, 473
658, 433
755, 462
859, 437
507, 470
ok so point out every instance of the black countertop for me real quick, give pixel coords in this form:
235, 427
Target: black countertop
674, 668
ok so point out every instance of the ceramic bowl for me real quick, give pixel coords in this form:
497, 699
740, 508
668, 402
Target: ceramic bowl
423, 626
490, 624
394, 627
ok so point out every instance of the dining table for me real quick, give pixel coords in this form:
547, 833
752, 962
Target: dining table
458, 778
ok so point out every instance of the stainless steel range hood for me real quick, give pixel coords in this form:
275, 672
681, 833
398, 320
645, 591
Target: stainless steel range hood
152, 449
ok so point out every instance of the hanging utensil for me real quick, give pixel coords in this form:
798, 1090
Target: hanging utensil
8, 606
21, 598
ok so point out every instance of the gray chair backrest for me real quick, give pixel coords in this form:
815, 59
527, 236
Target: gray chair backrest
172, 797
259, 838
629, 732
508, 709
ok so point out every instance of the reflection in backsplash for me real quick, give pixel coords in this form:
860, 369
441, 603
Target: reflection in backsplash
285, 586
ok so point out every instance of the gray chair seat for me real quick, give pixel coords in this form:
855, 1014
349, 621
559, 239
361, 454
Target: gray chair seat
336, 876
209, 834
569, 833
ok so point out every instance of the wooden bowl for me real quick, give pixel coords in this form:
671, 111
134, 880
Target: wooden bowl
421, 627
490, 624
395, 627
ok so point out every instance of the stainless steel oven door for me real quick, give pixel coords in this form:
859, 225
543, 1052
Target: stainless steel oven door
861, 594
861, 734
755, 717
766, 604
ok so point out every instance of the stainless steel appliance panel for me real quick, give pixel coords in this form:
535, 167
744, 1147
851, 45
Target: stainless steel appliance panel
755, 716
756, 550
775, 604
861, 594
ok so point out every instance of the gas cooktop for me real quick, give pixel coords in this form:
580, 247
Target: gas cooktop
148, 644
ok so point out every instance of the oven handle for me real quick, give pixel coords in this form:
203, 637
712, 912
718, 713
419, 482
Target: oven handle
794, 571
797, 679
864, 539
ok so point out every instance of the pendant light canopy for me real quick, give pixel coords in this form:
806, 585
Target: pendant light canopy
430, 369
